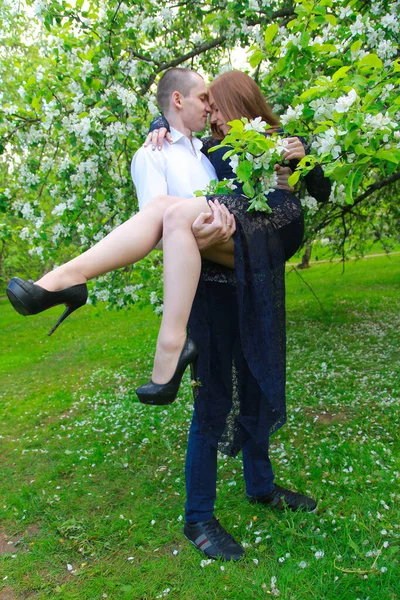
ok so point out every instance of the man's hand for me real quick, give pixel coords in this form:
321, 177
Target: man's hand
213, 228
156, 138
283, 174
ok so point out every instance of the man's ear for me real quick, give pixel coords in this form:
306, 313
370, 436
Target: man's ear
177, 100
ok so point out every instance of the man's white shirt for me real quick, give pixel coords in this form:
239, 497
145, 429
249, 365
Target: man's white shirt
178, 169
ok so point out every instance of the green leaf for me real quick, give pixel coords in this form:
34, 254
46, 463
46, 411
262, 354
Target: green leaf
228, 154
334, 62
244, 170
35, 103
323, 48
294, 177
340, 74
350, 137
292, 24
248, 189
96, 84
341, 172
256, 58
270, 33
331, 19
236, 125
356, 46
390, 155
311, 93
370, 60
361, 150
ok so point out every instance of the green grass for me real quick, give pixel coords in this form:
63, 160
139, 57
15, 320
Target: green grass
94, 480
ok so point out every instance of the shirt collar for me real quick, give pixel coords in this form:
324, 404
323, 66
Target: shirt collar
178, 136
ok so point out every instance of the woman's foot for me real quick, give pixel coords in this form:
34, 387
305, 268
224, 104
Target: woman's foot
166, 358
28, 298
60, 279
165, 393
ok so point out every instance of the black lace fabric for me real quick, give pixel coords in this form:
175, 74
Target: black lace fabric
238, 322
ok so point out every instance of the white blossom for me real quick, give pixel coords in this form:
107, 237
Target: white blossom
256, 124
325, 143
24, 233
310, 203
104, 64
86, 69
254, 5
344, 102
379, 121
274, 589
323, 108
39, 6
391, 22
234, 162
292, 114
357, 28
59, 209
386, 49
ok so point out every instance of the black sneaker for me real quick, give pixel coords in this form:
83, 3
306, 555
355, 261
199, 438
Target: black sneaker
212, 539
281, 499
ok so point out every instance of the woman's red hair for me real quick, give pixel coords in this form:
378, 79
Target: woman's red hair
237, 95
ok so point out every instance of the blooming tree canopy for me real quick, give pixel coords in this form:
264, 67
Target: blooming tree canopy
78, 82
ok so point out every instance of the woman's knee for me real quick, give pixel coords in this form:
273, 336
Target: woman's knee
176, 216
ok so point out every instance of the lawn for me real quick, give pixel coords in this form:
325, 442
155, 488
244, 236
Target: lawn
92, 487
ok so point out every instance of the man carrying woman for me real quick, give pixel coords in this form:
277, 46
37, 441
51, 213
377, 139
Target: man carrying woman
237, 323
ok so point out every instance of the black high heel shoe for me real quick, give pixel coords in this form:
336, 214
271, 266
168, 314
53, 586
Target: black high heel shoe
30, 299
165, 393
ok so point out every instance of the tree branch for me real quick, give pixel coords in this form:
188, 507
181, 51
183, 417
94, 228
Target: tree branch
378, 185
181, 59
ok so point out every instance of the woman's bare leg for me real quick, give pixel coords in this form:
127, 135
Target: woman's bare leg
182, 264
123, 246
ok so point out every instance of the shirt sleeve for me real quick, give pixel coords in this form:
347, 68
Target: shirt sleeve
149, 175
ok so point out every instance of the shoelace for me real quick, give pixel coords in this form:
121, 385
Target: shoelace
218, 532
286, 495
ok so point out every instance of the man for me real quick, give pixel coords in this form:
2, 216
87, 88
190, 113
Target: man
179, 169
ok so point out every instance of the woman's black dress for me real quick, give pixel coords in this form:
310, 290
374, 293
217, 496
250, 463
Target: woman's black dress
238, 318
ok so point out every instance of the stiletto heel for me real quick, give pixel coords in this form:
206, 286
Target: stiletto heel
65, 314
30, 299
193, 370
161, 394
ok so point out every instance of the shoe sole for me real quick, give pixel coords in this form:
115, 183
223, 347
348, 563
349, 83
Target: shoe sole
17, 303
209, 555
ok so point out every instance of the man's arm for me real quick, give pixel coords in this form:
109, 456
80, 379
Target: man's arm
149, 175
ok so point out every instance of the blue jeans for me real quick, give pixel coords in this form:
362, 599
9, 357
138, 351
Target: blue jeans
201, 473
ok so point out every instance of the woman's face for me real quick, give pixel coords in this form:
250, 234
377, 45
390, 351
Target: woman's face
217, 116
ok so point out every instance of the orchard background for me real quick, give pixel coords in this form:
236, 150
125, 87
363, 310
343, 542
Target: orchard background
77, 95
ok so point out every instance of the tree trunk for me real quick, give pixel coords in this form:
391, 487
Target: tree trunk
305, 259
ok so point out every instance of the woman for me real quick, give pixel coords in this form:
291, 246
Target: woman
172, 218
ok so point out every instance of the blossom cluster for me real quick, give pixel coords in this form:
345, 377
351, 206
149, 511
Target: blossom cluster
252, 152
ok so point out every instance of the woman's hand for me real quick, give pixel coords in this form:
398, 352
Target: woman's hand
156, 138
294, 149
